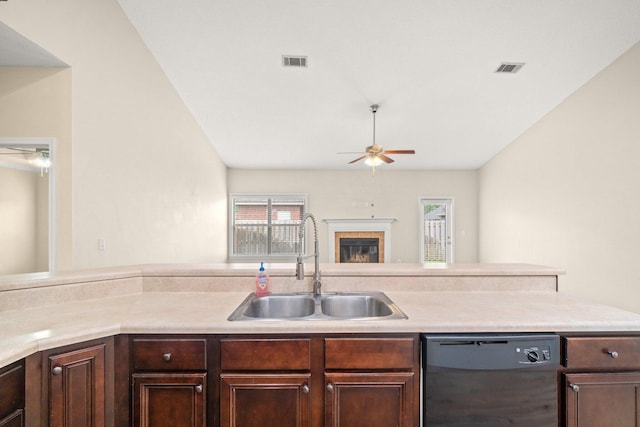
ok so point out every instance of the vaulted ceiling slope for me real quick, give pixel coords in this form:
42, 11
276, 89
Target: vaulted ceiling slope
429, 64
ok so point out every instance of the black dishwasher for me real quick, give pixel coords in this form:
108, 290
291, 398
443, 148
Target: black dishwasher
490, 380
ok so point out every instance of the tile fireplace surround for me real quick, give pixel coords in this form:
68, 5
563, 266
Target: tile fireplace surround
362, 227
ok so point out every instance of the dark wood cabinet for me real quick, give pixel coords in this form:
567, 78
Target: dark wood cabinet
320, 381
14, 420
77, 387
12, 389
601, 381
169, 382
71, 386
265, 400
169, 399
206, 380
369, 399
265, 382
602, 399
372, 380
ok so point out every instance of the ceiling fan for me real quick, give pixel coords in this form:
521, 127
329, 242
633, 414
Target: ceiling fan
37, 156
374, 154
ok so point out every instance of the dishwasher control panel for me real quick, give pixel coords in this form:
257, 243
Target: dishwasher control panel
500, 352
533, 354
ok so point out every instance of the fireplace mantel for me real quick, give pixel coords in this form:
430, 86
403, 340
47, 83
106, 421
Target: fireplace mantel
357, 225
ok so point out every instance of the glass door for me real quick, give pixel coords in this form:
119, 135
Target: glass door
436, 230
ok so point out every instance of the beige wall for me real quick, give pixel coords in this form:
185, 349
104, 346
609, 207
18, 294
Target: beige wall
393, 194
566, 193
18, 221
145, 177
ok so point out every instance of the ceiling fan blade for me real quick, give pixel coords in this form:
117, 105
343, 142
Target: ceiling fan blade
385, 158
18, 151
358, 159
399, 151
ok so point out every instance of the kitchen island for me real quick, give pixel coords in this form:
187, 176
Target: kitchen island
43, 311
138, 329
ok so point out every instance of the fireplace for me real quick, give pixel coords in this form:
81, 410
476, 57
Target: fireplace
359, 249
359, 229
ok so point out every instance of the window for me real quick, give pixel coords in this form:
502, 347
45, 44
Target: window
436, 230
265, 226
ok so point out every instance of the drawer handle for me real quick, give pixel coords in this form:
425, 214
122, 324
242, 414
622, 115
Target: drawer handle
199, 388
305, 389
574, 387
613, 354
166, 357
330, 387
57, 370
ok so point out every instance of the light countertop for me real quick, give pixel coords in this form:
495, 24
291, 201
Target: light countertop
154, 311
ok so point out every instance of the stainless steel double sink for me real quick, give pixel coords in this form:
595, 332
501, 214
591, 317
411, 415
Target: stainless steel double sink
326, 306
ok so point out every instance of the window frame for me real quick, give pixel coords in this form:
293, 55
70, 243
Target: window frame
271, 198
450, 227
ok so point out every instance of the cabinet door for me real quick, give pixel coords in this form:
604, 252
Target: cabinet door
602, 399
169, 400
369, 399
77, 388
269, 400
12, 386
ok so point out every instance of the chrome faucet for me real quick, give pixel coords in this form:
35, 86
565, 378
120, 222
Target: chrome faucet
317, 285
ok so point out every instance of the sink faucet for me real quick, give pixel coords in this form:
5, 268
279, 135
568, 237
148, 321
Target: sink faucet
317, 285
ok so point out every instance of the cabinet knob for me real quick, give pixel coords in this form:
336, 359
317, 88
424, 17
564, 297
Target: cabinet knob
166, 357
305, 388
57, 370
199, 388
330, 387
613, 354
574, 387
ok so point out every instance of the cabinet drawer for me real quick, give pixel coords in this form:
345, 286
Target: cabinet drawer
169, 354
369, 353
265, 354
602, 352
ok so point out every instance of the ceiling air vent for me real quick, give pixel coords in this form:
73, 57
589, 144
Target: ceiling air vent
294, 61
509, 67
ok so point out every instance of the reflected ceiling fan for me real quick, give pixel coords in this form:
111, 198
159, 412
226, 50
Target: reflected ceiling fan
374, 154
36, 156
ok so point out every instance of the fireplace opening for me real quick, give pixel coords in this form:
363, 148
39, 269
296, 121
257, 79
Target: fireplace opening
359, 250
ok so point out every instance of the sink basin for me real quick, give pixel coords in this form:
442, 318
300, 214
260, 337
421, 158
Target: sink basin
280, 307
327, 306
355, 306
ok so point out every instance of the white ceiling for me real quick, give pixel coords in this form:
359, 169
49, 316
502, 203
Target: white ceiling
429, 64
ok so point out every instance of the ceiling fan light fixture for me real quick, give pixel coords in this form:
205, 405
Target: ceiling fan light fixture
43, 161
374, 155
373, 161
